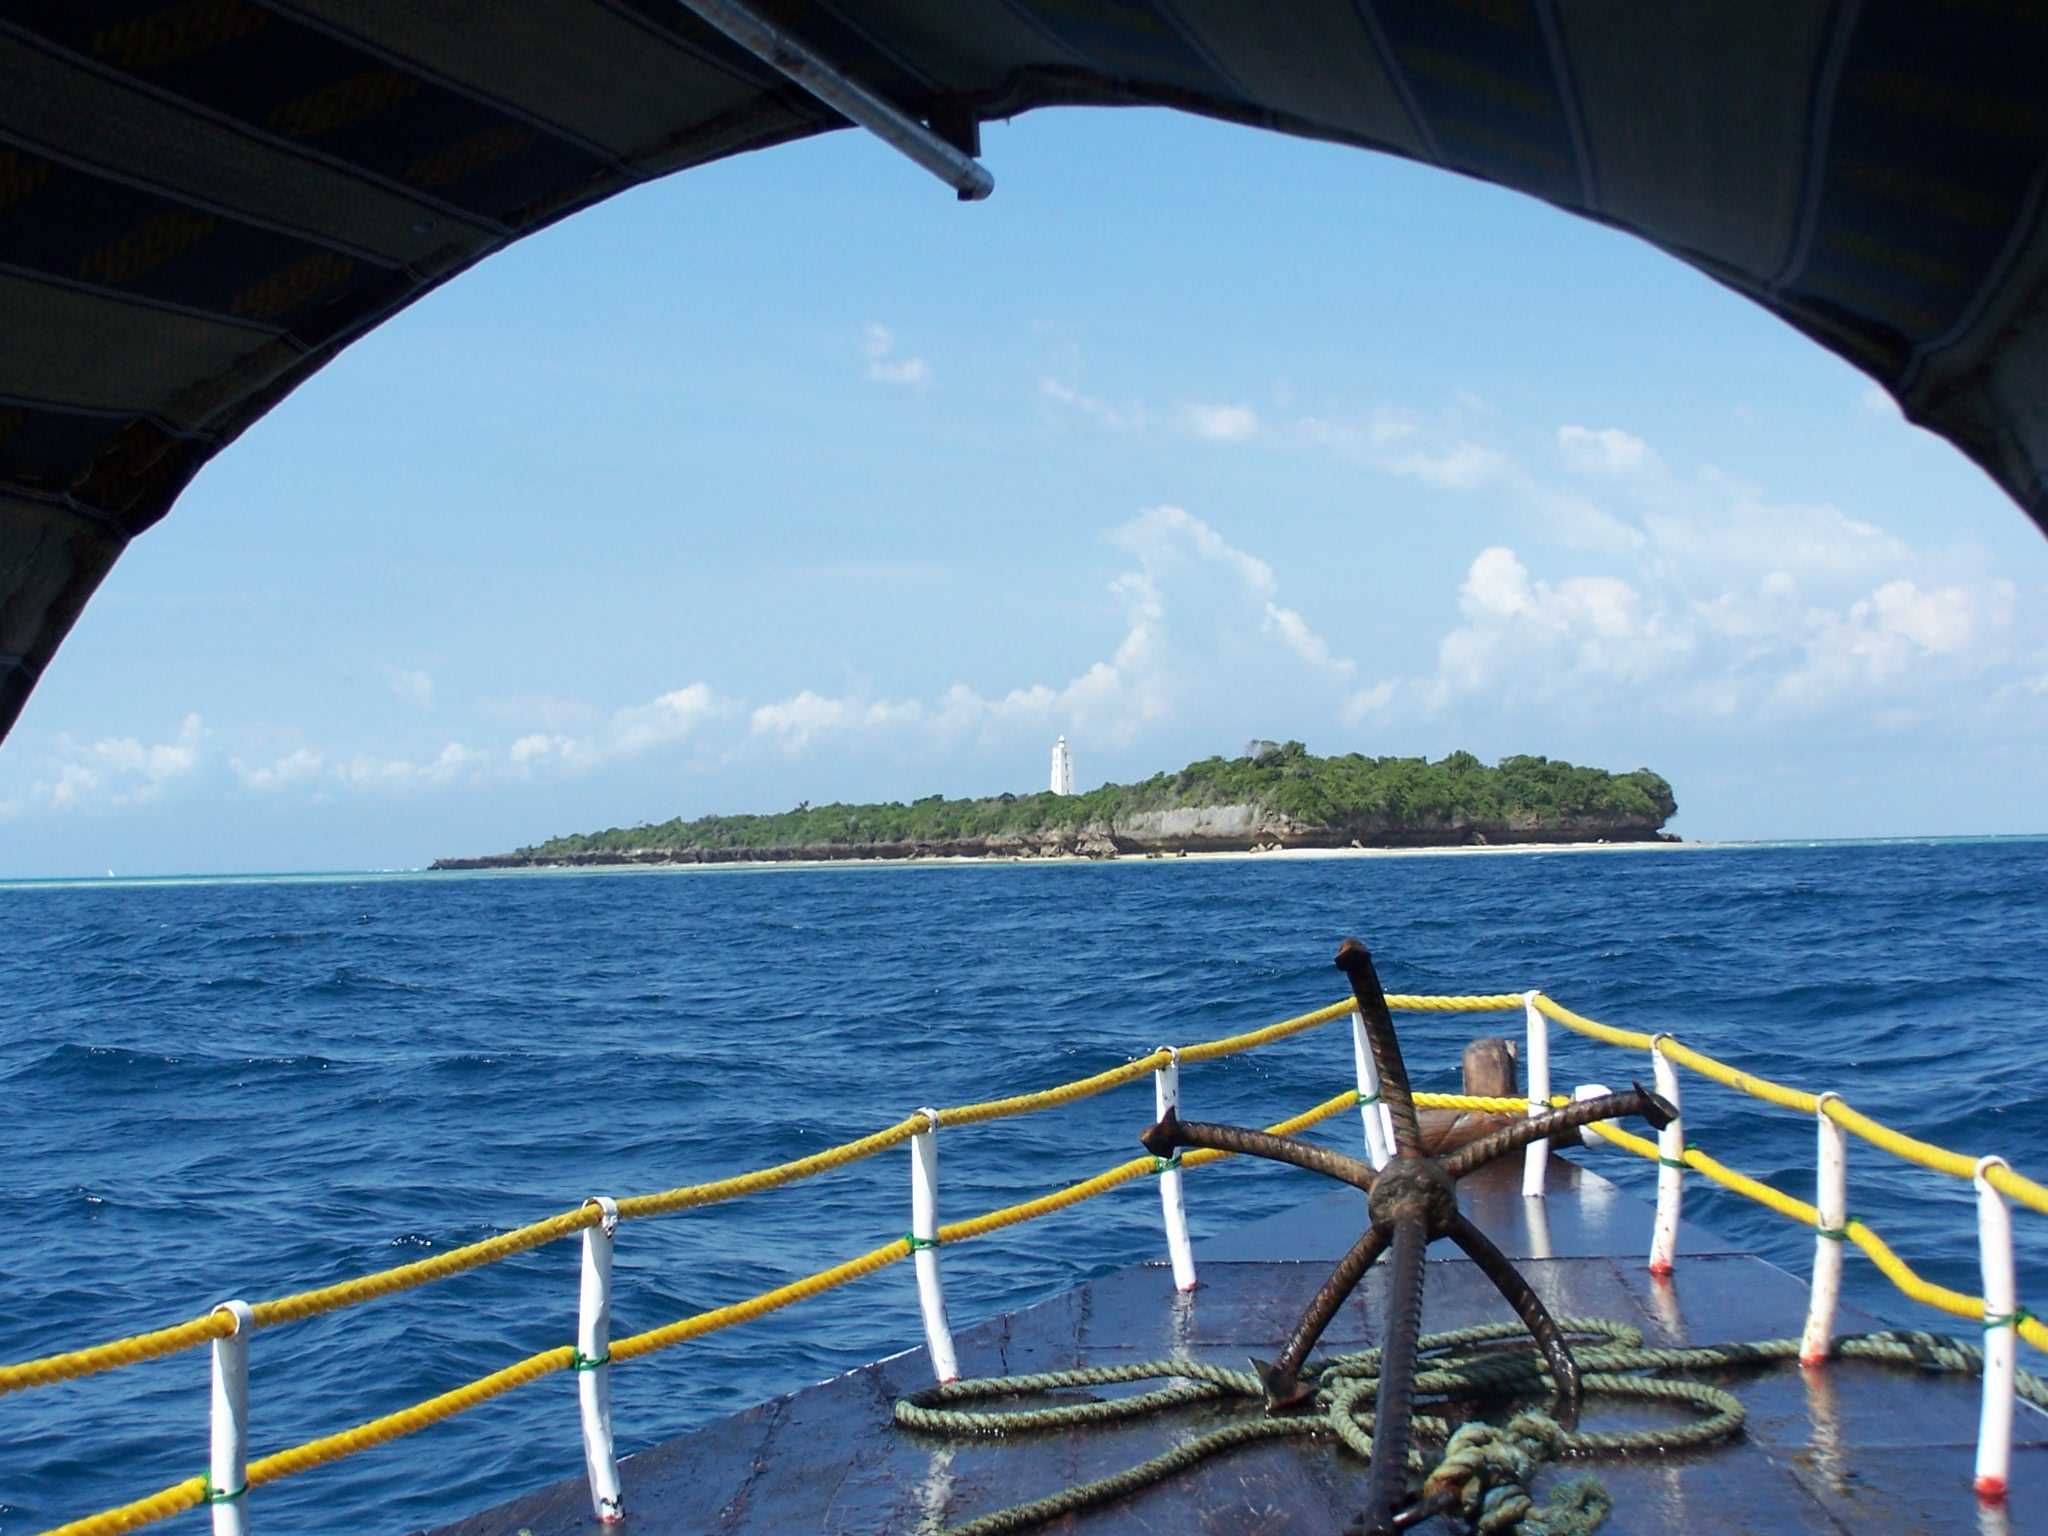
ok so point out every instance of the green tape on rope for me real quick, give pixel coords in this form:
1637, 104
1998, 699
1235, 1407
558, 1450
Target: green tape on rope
1162, 1164
579, 1361
2011, 1319
1671, 1162
219, 1496
1834, 1234
1372, 1098
919, 1244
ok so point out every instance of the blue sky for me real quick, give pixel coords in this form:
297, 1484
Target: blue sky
792, 478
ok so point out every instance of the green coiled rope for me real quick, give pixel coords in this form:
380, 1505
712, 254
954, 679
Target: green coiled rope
1489, 1467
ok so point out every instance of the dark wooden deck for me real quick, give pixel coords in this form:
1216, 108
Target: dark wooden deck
1855, 1449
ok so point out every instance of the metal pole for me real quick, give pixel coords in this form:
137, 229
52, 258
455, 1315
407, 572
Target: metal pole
227, 1468
924, 1242
594, 1364
2001, 1328
1536, 1159
1831, 1199
1670, 1164
845, 95
1379, 1126
1166, 1096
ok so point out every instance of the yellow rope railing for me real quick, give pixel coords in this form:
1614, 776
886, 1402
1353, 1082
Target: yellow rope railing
192, 1492
1895, 1269
311, 1303
348, 1293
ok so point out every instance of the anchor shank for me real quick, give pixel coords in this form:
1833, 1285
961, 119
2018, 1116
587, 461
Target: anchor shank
1355, 961
1512, 1138
1282, 1377
1394, 1409
1173, 1132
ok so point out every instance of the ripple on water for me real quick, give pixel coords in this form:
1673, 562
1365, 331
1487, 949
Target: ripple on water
249, 1088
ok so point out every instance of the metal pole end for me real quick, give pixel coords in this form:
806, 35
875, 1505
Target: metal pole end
1352, 957
1163, 1139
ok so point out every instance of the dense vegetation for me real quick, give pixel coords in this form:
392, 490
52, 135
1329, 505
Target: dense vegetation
1350, 795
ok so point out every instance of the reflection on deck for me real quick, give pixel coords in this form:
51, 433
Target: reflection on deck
1855, 1449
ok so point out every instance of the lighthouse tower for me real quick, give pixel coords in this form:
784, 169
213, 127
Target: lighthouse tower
1062, 768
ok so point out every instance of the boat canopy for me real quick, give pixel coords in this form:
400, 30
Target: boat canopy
203, 201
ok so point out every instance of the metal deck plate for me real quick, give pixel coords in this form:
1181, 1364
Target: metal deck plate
1855, 1449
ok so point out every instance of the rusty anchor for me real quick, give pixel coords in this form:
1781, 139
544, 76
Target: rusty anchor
1411, 1203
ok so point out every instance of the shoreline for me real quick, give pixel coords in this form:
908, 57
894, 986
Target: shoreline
1072, 860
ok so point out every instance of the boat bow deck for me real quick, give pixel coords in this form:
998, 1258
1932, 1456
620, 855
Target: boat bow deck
1856, 1448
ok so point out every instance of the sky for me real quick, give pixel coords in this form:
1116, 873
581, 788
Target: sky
791, 478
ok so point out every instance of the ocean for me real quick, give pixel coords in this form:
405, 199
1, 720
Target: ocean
243, 1087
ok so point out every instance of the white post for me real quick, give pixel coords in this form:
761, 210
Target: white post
1670, 1164
2001, 1328
594, 1363
1166, 1095
1379, 1123
227, 1469
1831, 1200
1536, 1067
924, 1242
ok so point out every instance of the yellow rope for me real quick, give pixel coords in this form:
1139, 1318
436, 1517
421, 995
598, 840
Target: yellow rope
690, 1195
1558, 1013
1895, 1269
407, 1421
1232, 1045
1052, 1098
1926, 1154
760, 1306
104, 1357
1491, 1002
161, 1505
404, 1277
2013, 1185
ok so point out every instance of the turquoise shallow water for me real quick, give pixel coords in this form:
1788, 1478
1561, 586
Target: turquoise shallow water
245, 1087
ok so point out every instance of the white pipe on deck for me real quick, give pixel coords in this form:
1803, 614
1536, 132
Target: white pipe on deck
924, 1240
1536, 1067
1379, 1121
1670, 1164
227, 1467
594, 1364
2001, 1329
1831, 1200
1173, 1207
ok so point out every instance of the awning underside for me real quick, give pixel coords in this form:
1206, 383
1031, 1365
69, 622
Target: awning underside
201, 202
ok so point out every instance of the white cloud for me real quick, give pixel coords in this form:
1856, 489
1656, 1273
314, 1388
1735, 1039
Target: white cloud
1609, 451
663, 723
1200, 616
414, 688
112, 772
1223, 423
884, 367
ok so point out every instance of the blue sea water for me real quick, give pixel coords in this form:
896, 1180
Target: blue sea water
246, 1087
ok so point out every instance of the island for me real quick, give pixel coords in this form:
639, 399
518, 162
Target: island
1276, 795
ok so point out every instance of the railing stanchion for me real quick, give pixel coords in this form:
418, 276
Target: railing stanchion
1379, 1121
227, 1468
594, 1363
924, 1242
2001, 1327
1536, 1069
1831, 1200
1670, 1164
1173, 1206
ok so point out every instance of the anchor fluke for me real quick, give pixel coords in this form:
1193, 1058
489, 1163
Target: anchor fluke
1163, 1139
1285, 1392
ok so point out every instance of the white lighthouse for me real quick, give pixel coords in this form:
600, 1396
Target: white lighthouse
1062, 768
